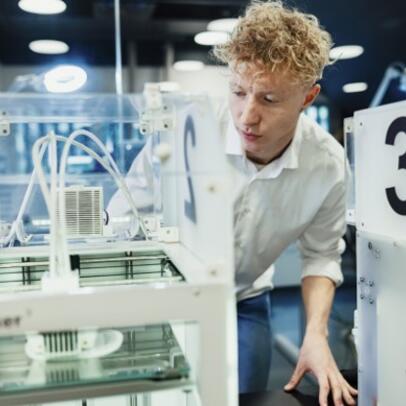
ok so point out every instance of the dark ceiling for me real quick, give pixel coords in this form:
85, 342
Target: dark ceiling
88, 27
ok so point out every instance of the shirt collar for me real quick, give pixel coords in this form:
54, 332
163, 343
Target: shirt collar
288, 160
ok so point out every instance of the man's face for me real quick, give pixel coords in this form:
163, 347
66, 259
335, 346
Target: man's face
265, 109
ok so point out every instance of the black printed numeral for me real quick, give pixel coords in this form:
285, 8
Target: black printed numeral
397, 126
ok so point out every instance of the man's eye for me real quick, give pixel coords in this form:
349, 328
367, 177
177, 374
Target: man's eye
238, 93
269, 99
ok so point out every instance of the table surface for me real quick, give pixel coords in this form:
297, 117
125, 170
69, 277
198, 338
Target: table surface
278, 398
305, 396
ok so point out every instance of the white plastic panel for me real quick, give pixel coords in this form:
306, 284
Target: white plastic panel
350, 173
368, 263
202, 189
382, 320
380, 156
391, 341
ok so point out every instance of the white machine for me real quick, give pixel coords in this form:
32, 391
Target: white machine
376, 145
148, 305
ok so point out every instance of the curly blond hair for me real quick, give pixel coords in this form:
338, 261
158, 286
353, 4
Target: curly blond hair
275, 37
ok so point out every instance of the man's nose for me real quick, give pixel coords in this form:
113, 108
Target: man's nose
249, 115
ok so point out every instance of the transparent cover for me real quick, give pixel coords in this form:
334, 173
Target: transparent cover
148, 353
113, 120
23, 270
177, 177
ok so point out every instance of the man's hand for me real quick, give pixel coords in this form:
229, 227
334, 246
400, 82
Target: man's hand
315, 357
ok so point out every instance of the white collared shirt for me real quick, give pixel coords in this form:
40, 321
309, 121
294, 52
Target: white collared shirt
299, 196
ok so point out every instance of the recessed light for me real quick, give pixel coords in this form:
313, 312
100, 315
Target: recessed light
355, 87
211, 37
169, 86
42, 6
223, 24
65, 78
188, 66
346, 52
80, 160
48, 46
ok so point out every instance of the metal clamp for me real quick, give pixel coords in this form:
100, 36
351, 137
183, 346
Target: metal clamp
157, 116
4, 126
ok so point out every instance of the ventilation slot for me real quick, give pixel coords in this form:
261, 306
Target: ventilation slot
84, 211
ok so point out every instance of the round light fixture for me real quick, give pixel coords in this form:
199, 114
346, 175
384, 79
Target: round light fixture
346, 52
355, 87
188, 66
169, 87
223, 24
48, 46
42, 6
65, 79
211, 37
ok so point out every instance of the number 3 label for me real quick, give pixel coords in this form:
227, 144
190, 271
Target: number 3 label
397, 126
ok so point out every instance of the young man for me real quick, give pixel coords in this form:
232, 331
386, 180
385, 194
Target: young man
295, 187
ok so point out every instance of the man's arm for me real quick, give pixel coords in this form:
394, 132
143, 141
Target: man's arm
139, 180
315, 355
321, 249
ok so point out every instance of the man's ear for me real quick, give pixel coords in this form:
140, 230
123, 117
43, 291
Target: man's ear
311, 95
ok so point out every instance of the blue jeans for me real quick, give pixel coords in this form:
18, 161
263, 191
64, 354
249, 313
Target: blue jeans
254, 343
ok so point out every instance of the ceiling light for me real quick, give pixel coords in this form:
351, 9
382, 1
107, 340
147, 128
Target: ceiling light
188, 66
355, 87
80, 160
402, 83
346, 52
42, 6
169, 86
211, 38
223, 24
65, 78
48, 46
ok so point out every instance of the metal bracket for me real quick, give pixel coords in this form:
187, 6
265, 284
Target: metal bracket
366, 290
168, 234
157, 116
349, 125
152, 226
4, 125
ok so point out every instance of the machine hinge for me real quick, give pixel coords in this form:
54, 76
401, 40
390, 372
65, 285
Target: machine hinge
157, 115
4, 125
